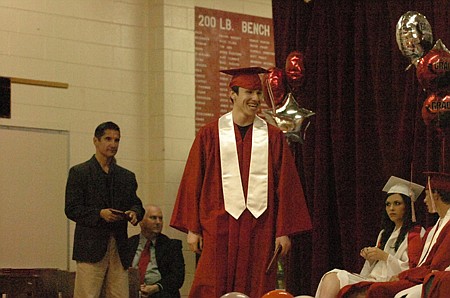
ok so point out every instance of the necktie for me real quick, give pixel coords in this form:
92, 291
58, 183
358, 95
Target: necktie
143, 261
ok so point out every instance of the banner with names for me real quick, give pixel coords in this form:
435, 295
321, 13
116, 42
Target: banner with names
225, 40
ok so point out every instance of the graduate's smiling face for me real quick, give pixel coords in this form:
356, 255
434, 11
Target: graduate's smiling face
246, 102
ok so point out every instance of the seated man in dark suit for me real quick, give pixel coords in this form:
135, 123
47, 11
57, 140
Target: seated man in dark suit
158, 258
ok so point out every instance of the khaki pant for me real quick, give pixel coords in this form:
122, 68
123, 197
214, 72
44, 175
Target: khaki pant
89, 276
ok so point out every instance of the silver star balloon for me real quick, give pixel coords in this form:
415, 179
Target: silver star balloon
290, 118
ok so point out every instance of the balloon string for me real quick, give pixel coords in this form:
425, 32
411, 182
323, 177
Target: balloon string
269, 88
443, 153
413, 124
411, 195
304, 131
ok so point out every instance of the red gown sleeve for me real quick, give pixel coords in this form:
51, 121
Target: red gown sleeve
438, 258
414, 246
437, 285
185, 216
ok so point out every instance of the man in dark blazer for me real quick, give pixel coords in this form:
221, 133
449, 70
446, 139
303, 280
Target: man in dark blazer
101, 198
162, 273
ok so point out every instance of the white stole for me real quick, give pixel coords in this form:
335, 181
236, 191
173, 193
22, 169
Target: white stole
431, 241
233, 192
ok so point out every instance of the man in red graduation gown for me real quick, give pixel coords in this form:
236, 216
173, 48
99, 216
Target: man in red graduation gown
240, 196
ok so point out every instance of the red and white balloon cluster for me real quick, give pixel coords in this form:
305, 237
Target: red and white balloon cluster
415, 41
279, 88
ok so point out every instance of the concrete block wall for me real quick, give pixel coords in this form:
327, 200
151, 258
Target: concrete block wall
97, 47
129, 61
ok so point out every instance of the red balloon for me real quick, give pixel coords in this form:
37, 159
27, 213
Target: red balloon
295, 69
433, 69
277, 294
436, 110
274, 86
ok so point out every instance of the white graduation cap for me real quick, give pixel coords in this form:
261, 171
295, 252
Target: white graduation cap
402, 186
405, 187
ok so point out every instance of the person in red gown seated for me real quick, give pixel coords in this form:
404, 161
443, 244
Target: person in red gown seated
435, 252
397, 248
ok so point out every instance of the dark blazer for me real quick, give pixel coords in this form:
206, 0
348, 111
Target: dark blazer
89, 189
169, 257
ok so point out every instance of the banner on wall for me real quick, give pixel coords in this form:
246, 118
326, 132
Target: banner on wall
225, 40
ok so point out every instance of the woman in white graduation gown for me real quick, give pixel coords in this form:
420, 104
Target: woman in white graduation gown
397, 248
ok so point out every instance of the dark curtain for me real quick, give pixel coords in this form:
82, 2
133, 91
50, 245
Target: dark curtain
367, 126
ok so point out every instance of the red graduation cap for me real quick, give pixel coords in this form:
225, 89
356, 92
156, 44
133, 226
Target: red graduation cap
439, 180
247, 78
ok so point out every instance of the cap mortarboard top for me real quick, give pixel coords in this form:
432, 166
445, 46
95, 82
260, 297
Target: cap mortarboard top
402, 186
247, 78
439, 180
